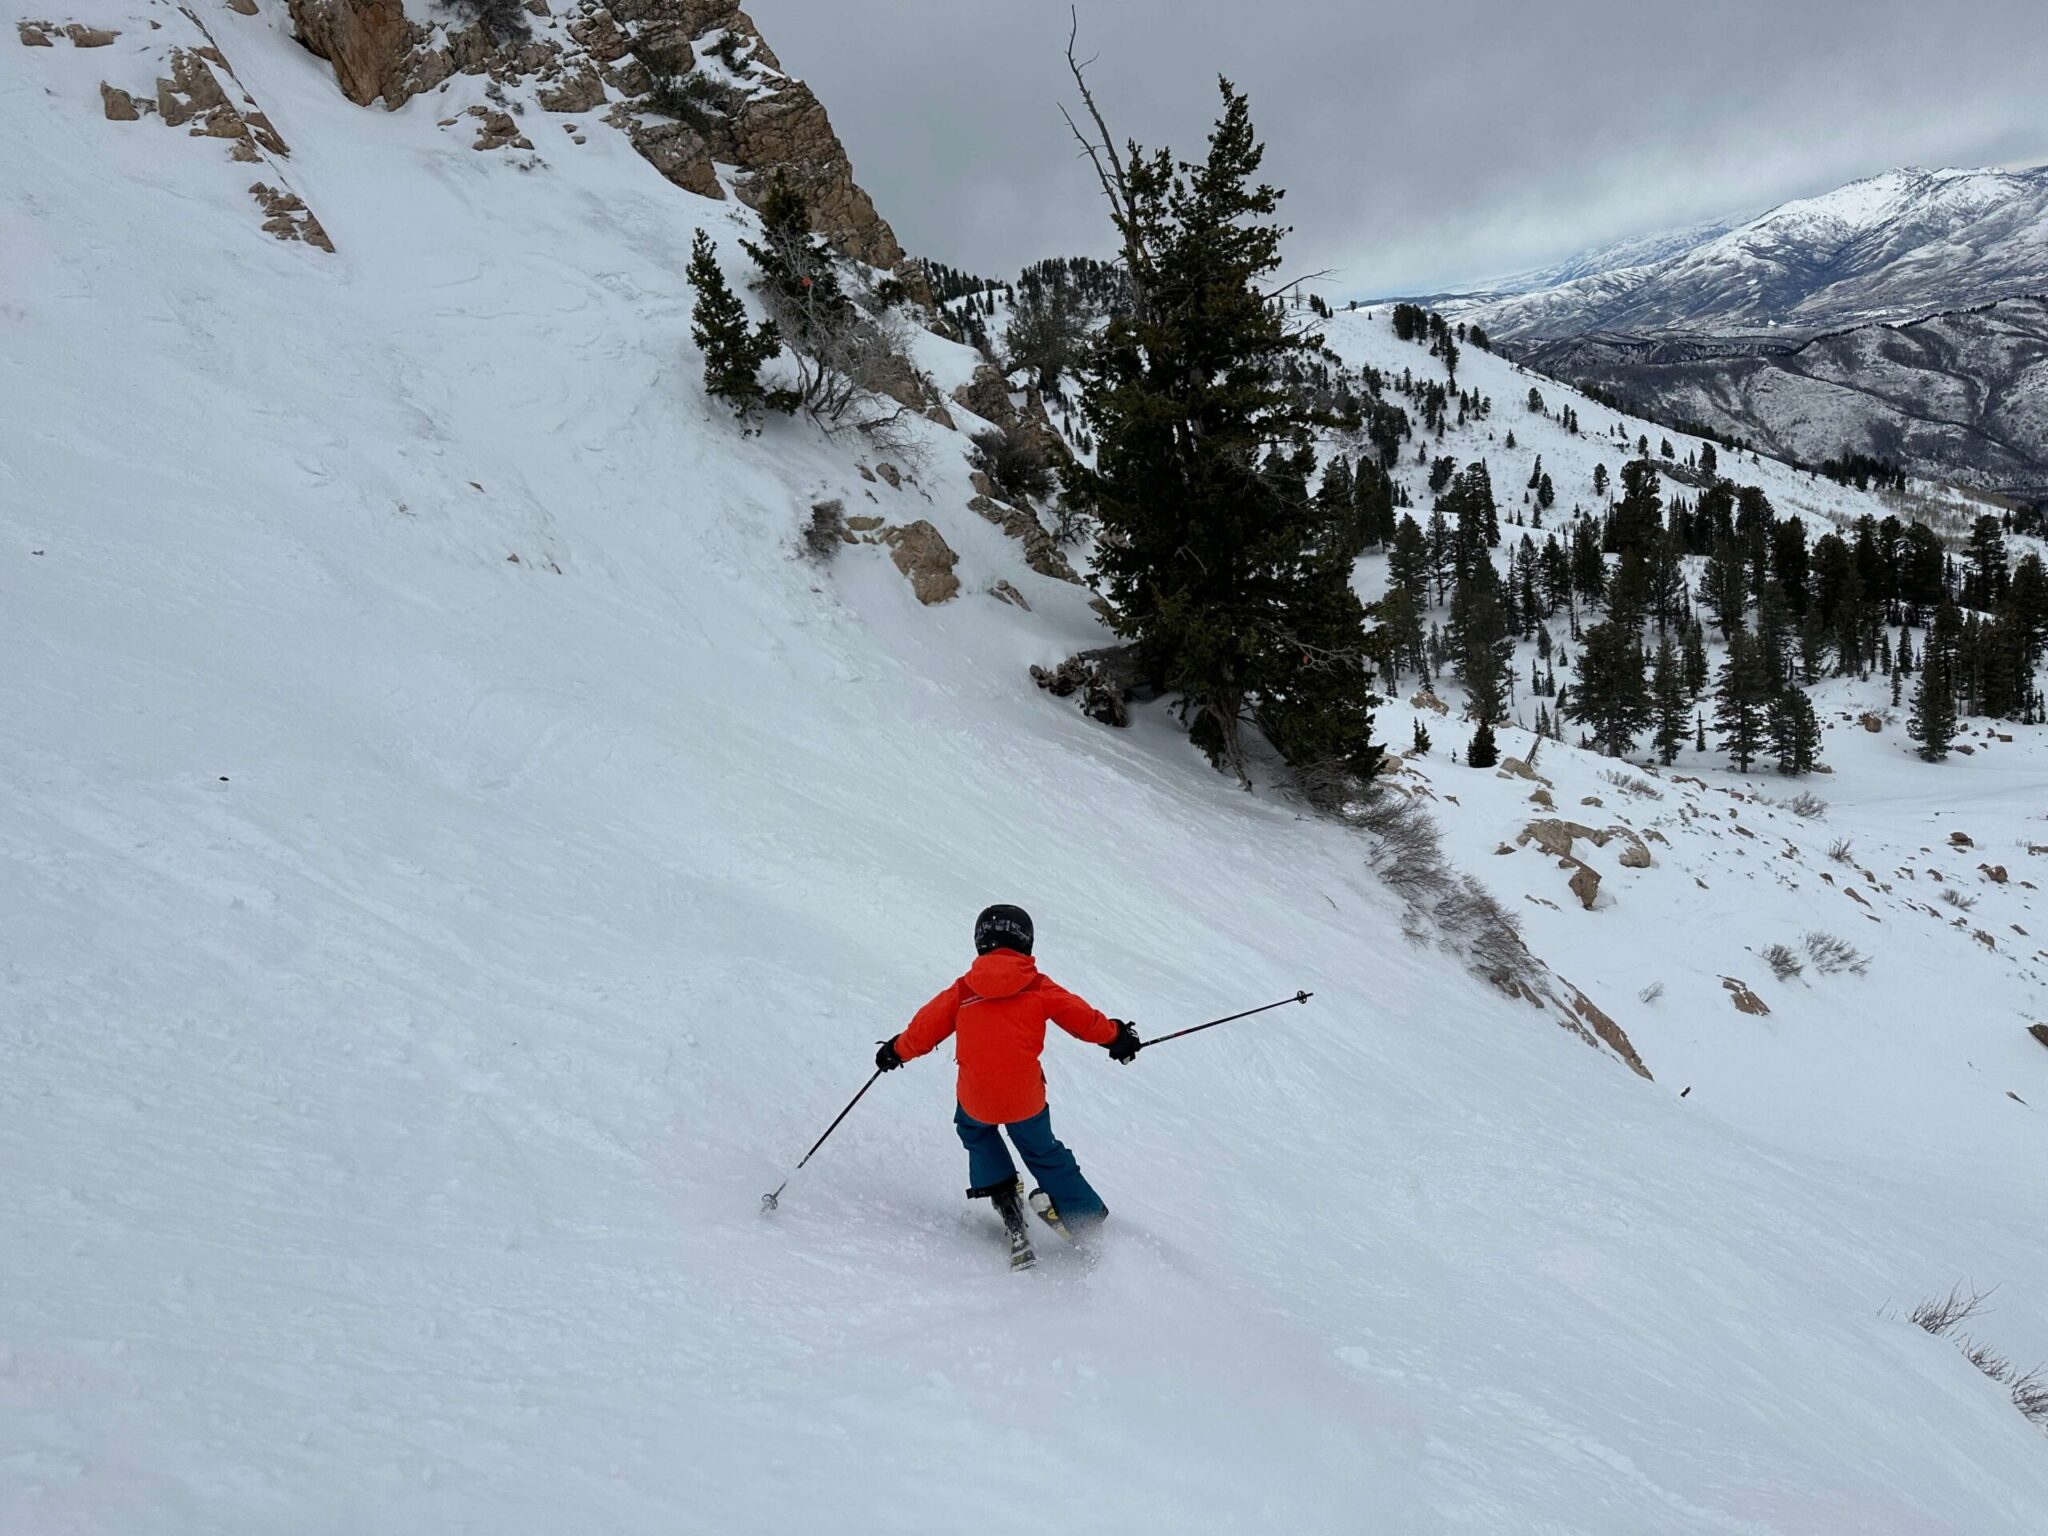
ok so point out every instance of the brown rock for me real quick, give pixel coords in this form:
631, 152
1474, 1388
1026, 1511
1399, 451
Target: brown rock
34, 34
599, 36
369, 43
1429, 701
924, 556
1960, 840
1585, 884
192, 94
864, 523
2039, 1032
789, 131
1003, 592
1995, 873
1610, 1033
1514, 767
1041, 551
1593, 800
120, 106
1746, 1001
1541, 798
288, 218
1635, 856
89, 37
1872, 723
577, 91
242, 7
891, 475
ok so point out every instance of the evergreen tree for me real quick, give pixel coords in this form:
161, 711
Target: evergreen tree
1668, 702
1235, 585
1740, 701
1932, 721
733, 352
797, 267
1421, 740
1408, 560
1483, 752
1795, 731
1695, 661
1484, 646
1611, 698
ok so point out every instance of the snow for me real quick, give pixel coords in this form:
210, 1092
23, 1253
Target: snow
420, 961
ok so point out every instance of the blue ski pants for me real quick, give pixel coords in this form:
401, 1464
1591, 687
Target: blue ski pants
1051, 1164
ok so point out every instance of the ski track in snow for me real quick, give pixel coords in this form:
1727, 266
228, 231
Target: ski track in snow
418, 963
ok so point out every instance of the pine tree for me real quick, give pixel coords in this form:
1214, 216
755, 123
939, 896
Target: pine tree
1795, 732
1932, 722
796, 266
1421, 740
1235, 585
733, 353
1740, 701
1669, 702
1483, 752
1612, 697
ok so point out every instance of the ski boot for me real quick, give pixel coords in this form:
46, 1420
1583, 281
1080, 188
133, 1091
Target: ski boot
1007, 1198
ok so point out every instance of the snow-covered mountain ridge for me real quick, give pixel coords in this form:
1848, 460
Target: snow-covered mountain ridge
463, 847
1892, 247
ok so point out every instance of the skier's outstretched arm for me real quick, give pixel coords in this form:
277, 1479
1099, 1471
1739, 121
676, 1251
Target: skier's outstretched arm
928, 1029
1078, 1018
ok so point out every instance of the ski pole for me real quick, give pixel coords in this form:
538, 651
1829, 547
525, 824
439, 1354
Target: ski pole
768, 1202
1299, 997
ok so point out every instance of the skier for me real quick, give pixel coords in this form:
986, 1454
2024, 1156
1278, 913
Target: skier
1000, 1009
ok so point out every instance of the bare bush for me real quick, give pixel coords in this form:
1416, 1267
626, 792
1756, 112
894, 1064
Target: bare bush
695, 100
1986, 1359
2030, 1395
1939, 1315
1842, 851
1784, 961
1473, 920
1807, 806
1651, 993
825, 534
1015, 460
1958, 900
1832, 956
1630, 784
1410, 855
503, 19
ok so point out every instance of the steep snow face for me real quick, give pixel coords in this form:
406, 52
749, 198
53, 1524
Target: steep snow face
462, 853
1893, 247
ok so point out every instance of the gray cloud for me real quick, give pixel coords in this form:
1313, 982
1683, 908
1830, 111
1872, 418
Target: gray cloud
1421, 146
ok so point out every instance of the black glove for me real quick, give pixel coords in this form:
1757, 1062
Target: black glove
886, 1059
1126, 1044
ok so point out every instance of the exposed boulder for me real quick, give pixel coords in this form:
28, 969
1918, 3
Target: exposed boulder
35, 34
120, 106
2039, 1032
1610, 1034
369, 43
922, 554
577, 90
1871, 723
1995, 873
1585, 882
1745, 1000
288, 218
1041, 550
1429, 701
89, 37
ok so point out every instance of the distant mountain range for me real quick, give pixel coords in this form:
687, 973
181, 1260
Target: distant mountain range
1905, 315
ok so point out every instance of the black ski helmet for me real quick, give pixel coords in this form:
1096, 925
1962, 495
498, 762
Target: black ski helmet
1003, 927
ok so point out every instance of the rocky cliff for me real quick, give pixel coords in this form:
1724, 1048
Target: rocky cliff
691, 82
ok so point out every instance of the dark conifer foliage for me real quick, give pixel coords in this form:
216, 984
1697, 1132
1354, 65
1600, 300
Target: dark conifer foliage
734, 352
1232, 578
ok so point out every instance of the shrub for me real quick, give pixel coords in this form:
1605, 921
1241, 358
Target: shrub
2030, 1395
1939, 1314
1842, 851
1958, 900
1808, 806
1986, 1359
1630, 784
503, 19
1832, 955
1016, 461
1651, 993
692, 99
1784, 961
826, 531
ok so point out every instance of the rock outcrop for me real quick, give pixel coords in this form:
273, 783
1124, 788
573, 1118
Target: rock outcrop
922, 554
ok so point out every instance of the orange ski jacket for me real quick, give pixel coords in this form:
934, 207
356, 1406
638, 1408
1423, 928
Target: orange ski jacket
999, 1010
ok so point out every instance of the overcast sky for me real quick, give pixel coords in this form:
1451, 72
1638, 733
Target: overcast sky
1422, 145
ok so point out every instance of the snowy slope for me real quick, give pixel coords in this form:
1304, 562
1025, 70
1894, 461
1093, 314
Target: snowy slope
420, 960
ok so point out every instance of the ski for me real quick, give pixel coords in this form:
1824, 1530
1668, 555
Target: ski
1049, 1213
